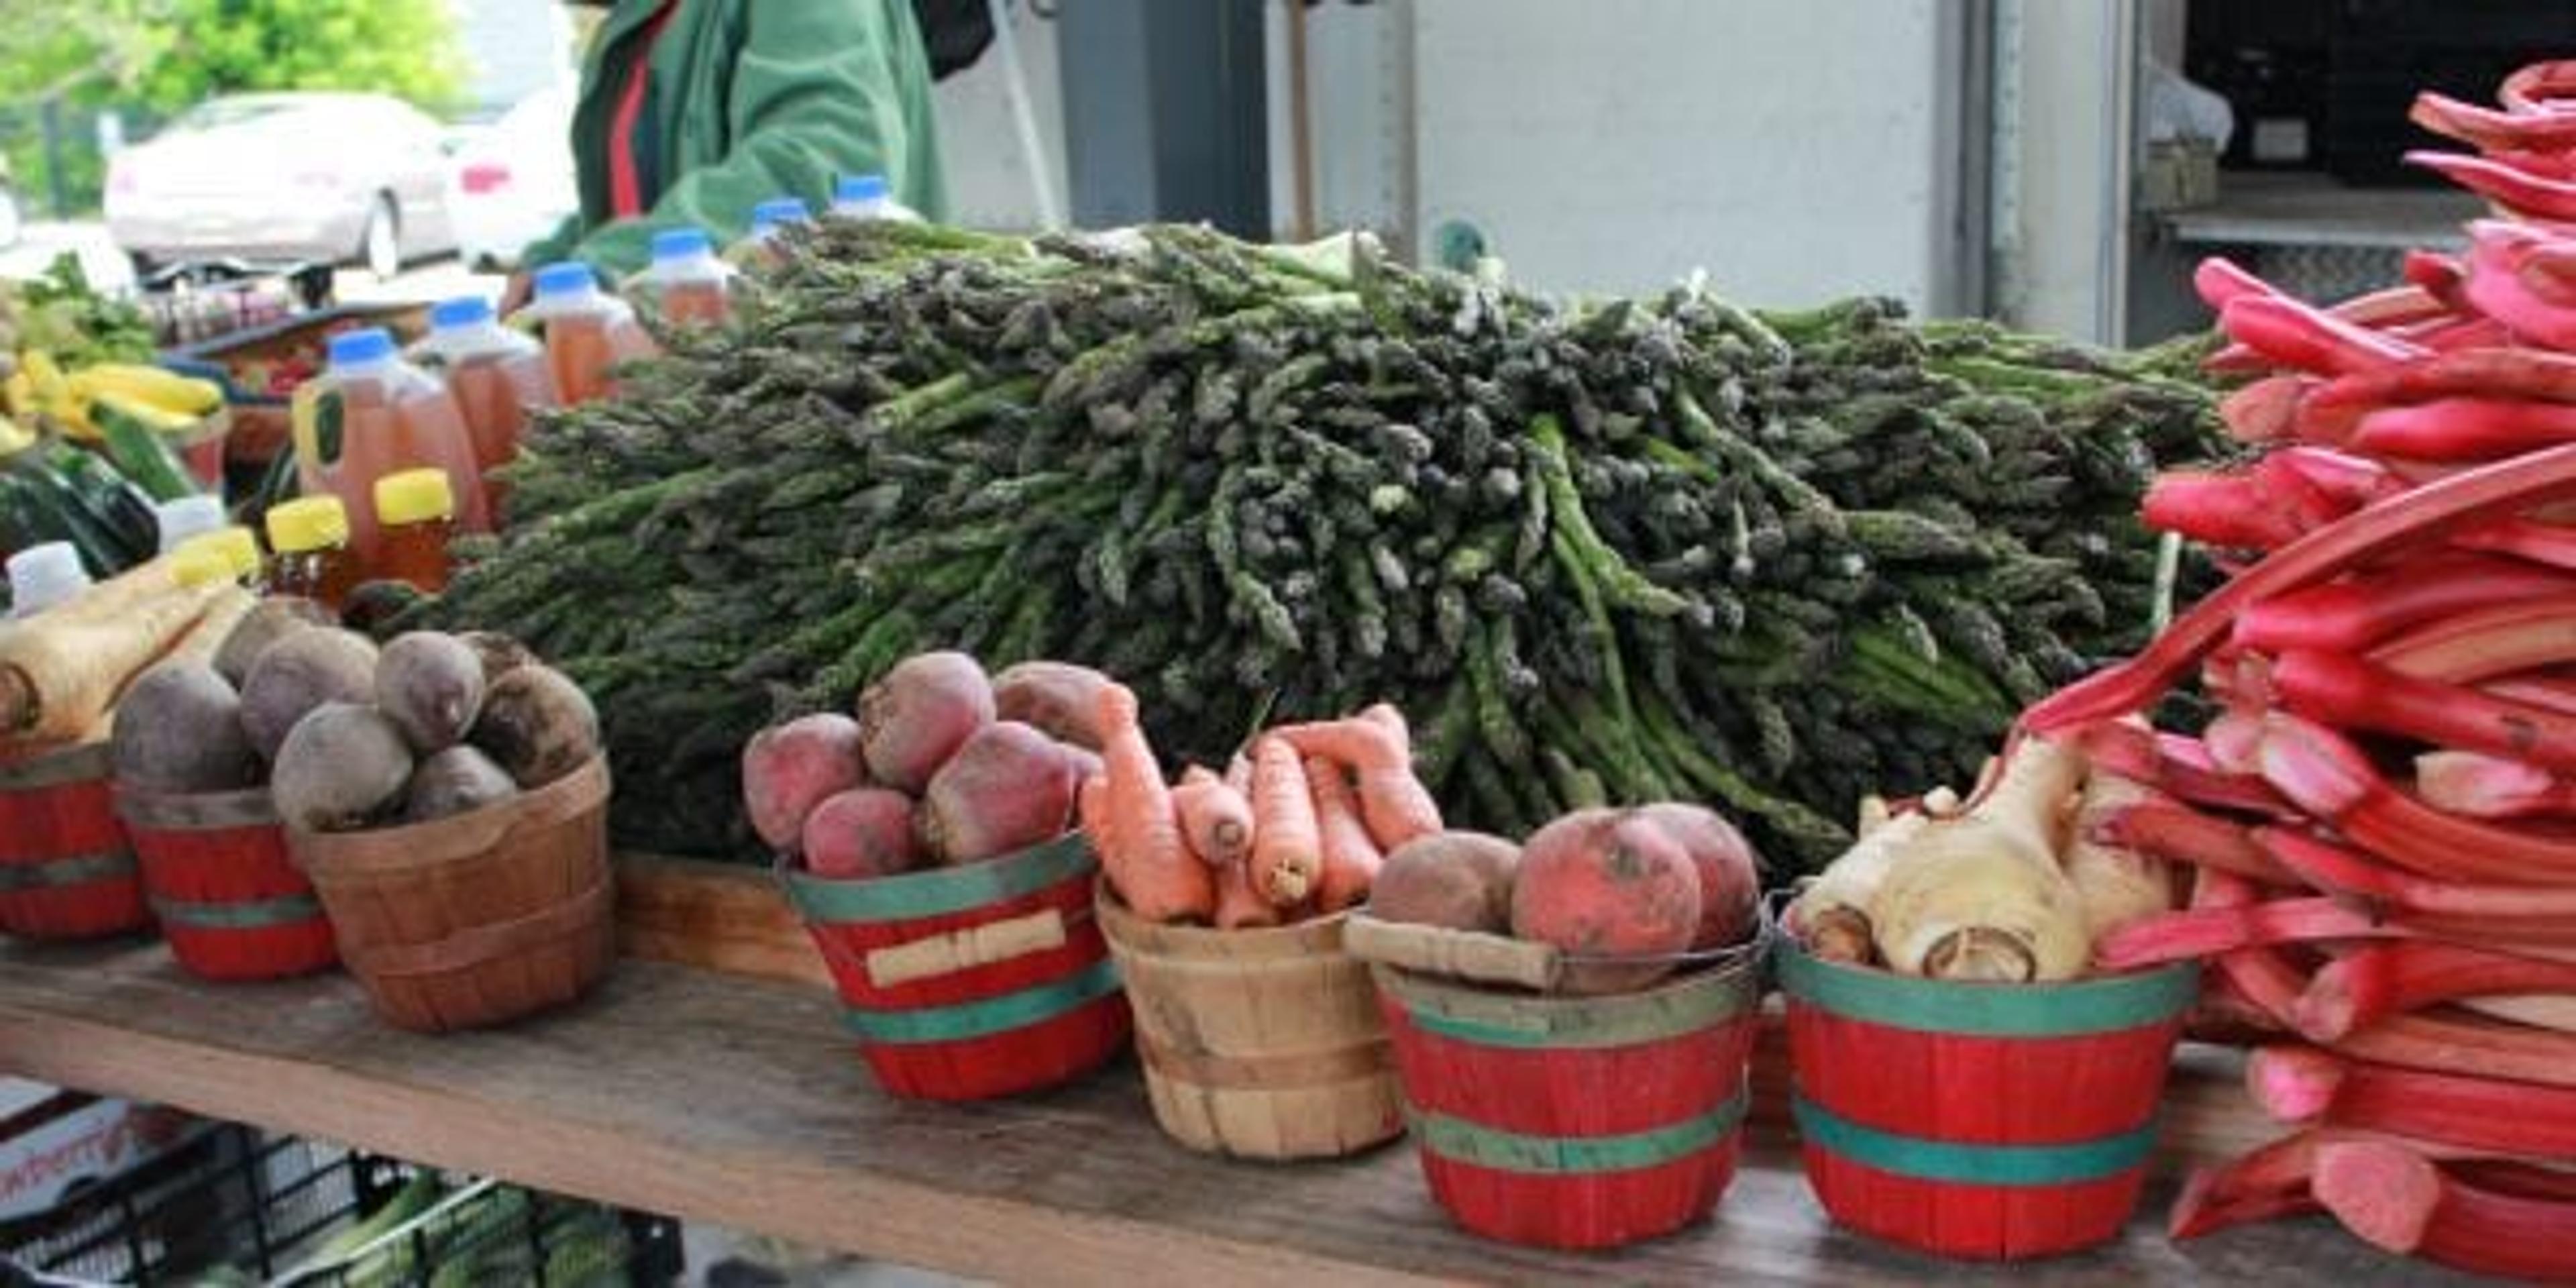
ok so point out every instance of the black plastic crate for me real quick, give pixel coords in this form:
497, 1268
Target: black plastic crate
236, 1208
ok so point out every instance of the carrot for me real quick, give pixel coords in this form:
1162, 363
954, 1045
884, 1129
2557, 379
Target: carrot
1238, 775
1238, 905
1161, 881
1091, 811
1351, 860
61, 669
1215, 818
1375, 747
1287, 845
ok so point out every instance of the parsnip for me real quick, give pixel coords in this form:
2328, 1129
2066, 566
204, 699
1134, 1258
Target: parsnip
1832, 914
1982, 897
2117, 886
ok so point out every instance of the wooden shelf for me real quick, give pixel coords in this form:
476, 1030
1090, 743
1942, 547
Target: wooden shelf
736, 1100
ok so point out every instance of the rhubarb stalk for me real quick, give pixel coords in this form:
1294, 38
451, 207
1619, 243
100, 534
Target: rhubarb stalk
2396, 1198
2375, 981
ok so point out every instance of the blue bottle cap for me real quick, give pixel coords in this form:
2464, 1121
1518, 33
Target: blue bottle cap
777, 211
364, 345
861, 187
463, 311
571, 277
682, 243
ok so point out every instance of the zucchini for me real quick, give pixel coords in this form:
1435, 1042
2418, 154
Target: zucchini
51, 508
110, 499
136, 444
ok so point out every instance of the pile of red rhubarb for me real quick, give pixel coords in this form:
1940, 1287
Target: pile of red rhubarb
2382, 821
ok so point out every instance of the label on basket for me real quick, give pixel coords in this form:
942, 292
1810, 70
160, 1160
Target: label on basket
958, 950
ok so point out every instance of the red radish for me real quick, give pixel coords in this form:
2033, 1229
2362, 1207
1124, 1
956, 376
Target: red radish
789, 769
1455, 880
1006, 789
866, 832
1061, 699
917, 716
1607, 883
1730, 879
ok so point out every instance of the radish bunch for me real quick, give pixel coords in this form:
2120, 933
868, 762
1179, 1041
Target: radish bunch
2380, 819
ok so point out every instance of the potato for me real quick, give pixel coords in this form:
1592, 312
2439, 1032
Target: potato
1008, 788
537, 725
270, 620
1455, 880
457, 780
917, 716
1607, 883
341, 768
179, 729
301, 672
431, 686
1730, 880
789, 769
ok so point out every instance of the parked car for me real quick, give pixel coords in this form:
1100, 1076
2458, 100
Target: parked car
12, 221
514, 179
286, 176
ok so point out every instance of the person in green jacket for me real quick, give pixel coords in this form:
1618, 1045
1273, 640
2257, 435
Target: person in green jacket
693, 111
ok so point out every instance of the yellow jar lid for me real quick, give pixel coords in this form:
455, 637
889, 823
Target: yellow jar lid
198, 565
236, 546
414, 496
312, 523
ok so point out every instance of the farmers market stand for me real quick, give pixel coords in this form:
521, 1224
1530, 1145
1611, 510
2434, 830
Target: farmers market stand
714, 1095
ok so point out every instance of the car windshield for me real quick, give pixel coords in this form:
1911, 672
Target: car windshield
217, 113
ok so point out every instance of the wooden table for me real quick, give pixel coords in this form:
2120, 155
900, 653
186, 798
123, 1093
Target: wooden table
729, 1099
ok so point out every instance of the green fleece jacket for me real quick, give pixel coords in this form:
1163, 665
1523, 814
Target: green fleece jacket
748, 100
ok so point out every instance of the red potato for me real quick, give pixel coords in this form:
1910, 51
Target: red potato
1061, 699
917, 716
1730, 878
1607, 883
789, 769
1455, 880
864, 832
1006, 789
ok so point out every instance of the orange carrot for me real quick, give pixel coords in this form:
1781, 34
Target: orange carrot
1238, 907
1153, 870
1351, 860
1091, 806
1215, 819
1394, 803
1287, 849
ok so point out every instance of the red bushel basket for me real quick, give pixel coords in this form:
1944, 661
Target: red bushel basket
230, 900
66, 871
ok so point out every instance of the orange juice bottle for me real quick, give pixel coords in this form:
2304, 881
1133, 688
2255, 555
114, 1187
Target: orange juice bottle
391, 416
587, 331
417, 514
495, 373
686, 284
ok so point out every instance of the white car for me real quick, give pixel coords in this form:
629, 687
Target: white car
513, 180
297, 176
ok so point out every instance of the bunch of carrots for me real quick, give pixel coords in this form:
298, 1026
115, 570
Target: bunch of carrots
2379, 820
1297, 826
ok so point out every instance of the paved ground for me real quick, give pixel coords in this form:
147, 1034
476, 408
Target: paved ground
109, 269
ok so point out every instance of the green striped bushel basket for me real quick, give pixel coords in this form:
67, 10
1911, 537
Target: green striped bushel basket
228, 895
66, 871
970, 982
1988, 1121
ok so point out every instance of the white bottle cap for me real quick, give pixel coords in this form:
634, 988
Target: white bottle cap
186, 517
43, 576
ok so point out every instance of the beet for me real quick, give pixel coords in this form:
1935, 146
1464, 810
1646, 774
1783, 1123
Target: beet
1730, 878
500, 653
537, 725
789, 769
431, 686
343, 766
270, 620
864, 832
179, 729
458, 780
1607, 883
1008, 788
300, 672
917, 716
1062, 700
1454, 880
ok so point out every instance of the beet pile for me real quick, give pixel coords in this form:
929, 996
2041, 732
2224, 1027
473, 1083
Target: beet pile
2379, 816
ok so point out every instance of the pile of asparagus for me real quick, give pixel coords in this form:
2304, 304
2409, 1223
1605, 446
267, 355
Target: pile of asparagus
1620, 550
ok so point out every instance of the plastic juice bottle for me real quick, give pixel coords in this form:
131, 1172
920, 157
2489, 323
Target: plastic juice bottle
869, 196
587, 331
686, 283
417, 513
177, 520
495, 373
43, 576
392, 416
237, 546
766, 219
311, 539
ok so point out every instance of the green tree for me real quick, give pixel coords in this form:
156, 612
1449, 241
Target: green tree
406, 48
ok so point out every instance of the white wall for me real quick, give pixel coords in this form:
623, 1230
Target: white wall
988, 169
2061, 209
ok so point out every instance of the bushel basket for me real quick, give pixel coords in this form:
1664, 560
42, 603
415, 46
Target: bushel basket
479, 918
228, 896
66, 871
